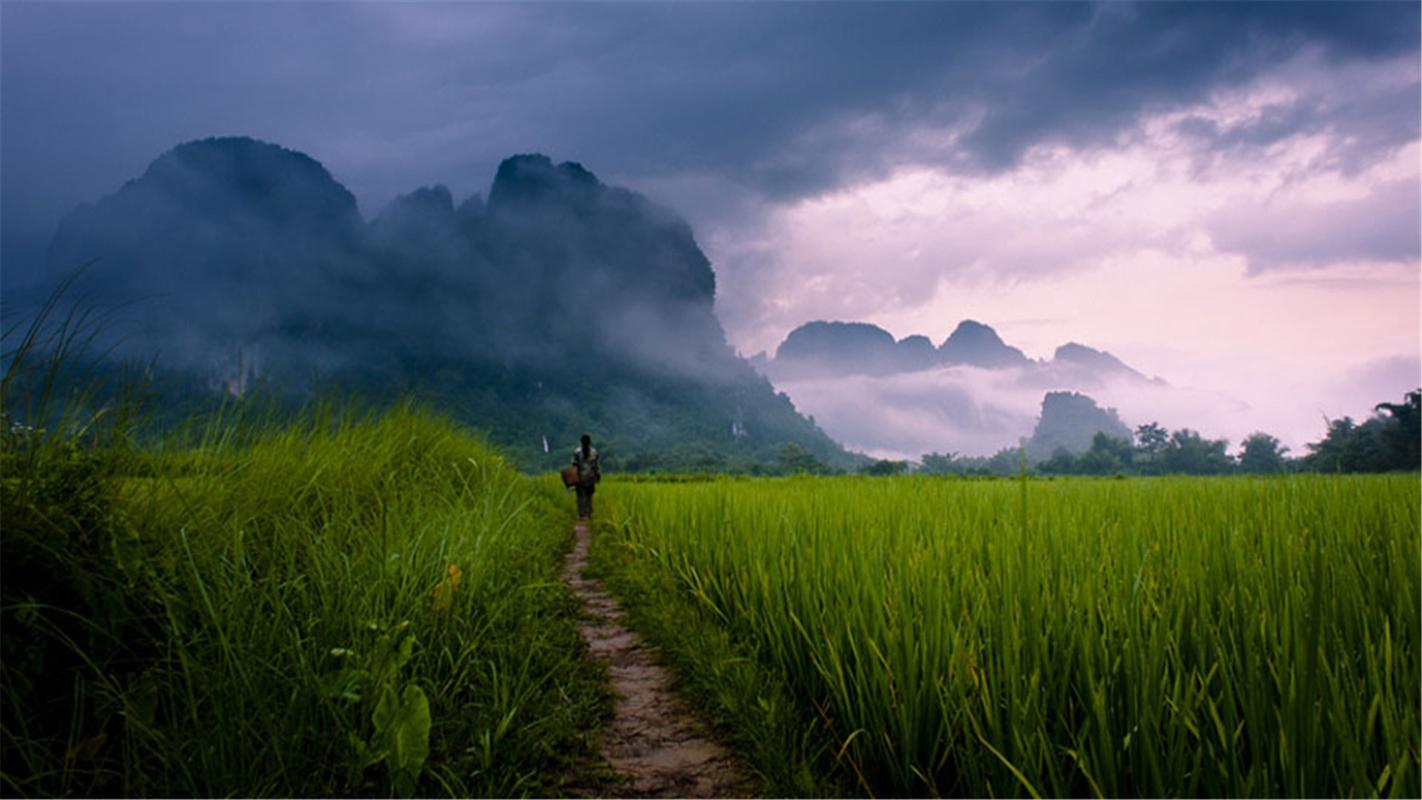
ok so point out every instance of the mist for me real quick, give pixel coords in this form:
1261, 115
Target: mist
559, 305
232, 248
976, 412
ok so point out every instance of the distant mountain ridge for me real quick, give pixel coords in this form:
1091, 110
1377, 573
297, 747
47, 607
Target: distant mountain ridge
977, 345
560, 305
972, 394
825, 349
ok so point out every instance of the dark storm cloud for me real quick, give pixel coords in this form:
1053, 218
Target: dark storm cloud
1125, 60
766, 102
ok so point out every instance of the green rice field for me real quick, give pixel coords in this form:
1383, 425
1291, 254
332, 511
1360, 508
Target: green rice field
1144, 637
351, 604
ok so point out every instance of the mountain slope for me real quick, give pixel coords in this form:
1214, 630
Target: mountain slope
1068, 422
978, 345
560, 306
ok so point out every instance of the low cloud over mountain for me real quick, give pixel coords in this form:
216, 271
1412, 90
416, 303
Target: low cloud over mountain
228, 243
561, 304
975, 394
556, 305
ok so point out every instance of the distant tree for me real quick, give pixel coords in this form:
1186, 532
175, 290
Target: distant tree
1389, 440
1346, 447
1260, 453
1007, 461
937, 463
940, 464
1151, 440
1107, 455
1062, 462
884, 467
700, 457
795, 459
1402, 432
1190, 454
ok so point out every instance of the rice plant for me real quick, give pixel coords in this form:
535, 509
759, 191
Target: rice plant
1150, 637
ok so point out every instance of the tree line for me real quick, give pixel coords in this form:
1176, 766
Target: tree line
1385, 442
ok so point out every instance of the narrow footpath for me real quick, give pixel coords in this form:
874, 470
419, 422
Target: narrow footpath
655, 743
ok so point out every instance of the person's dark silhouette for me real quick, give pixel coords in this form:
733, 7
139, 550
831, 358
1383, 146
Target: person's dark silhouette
589, 473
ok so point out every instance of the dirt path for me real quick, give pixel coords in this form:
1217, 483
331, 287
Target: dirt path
655, 743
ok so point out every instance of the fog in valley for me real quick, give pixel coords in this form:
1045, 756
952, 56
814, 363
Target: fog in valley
974, 411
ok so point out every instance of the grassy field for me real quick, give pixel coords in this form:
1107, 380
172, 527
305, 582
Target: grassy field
369, 605
343, 605
1146, 637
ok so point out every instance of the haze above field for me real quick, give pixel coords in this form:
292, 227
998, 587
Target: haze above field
1224, 195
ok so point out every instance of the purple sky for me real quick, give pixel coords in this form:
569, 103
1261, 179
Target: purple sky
1225, 194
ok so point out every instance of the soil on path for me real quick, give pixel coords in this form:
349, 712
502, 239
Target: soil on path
656, 745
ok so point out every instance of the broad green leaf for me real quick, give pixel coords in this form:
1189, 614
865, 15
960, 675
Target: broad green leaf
386, 710
409, 733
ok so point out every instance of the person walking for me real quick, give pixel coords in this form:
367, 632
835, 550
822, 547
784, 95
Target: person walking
589, 473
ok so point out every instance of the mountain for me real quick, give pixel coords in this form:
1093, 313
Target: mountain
196, 243
975, 344
826, 349
1085, 364
580, 263
916, 352
829, 347
1068, 422
822, 349
417, 218
974, 394
561, 305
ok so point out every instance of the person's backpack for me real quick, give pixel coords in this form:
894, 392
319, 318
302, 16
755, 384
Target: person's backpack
587, 467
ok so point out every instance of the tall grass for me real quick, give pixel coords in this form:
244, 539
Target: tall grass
261, 604
1158, 637
340, 604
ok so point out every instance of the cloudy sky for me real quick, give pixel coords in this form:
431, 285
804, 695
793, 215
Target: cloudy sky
1226, 194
